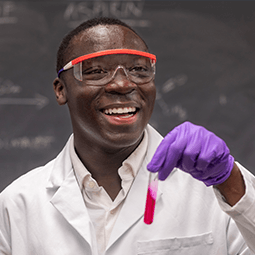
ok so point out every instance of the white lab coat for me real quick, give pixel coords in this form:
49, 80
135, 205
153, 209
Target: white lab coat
43, 213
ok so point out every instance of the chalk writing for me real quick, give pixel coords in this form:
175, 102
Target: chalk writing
8, 87
173, 110
129, 11
39, 101
174, 82
38, 142
222, 99
180, 111
6, 13
168, 86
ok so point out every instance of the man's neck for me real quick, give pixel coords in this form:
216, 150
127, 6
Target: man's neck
103, 165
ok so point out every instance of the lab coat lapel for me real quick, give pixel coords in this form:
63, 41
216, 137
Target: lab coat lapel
67, 197
133, 207
134, 204
69, 202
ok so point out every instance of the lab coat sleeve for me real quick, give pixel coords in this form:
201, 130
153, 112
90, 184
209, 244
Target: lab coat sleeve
5, 248
243, 213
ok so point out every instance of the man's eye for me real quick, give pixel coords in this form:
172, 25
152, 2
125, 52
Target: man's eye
94, 71
138, 69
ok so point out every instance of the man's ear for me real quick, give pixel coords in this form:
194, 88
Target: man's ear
60, 91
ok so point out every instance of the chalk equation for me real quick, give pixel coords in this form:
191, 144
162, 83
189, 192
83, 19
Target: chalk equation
8, 87
128, 11
6, 13
38, 100
223, 99
177, 110
38, 142
174, 82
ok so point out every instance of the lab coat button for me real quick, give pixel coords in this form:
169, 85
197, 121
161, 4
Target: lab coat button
91, 184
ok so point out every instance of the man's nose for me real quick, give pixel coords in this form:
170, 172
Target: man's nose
120, 82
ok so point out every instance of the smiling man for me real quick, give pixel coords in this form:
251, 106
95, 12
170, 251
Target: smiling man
108, 109
91, 198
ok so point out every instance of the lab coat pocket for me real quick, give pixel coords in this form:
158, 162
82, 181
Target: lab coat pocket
190, 245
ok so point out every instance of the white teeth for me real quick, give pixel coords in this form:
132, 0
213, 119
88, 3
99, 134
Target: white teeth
120, 110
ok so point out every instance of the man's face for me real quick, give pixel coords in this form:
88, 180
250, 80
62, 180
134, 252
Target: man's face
90, 106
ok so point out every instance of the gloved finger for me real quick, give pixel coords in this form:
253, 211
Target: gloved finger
214, 178
212, 152
172, 149
191, 153
214, 160
159, 158
174, 155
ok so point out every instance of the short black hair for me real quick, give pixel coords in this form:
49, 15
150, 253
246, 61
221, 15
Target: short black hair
82, 27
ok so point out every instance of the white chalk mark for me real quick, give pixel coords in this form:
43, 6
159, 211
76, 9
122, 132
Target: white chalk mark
8, 20
174, 82
39, 101
128, 11
223, 99
6, 9
177, 110
38, 142
8, 87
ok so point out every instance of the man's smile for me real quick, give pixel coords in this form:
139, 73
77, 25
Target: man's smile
120, 110
121, 115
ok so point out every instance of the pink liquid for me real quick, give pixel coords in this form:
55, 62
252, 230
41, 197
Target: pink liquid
150, 204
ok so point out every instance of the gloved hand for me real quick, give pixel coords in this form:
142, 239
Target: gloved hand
194, 150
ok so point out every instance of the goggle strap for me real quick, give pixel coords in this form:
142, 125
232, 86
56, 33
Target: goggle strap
66, 67
61, 70
111, 52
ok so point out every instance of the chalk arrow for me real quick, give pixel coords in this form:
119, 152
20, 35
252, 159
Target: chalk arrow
39, 101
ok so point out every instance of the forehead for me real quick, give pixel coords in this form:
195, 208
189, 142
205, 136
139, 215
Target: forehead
104, 37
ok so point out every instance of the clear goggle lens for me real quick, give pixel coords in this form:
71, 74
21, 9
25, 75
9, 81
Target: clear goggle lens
99, 68
139, 70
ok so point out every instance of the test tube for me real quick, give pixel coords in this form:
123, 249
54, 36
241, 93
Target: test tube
151, 198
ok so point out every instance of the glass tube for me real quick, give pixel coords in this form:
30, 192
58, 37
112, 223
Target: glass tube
151, 198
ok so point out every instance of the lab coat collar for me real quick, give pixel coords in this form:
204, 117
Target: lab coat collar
69, 202
61, 168
67, 197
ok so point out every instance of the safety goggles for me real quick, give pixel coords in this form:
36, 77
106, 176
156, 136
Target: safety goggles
99, 68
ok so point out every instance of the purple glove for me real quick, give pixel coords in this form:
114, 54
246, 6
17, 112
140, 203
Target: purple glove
194, 150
